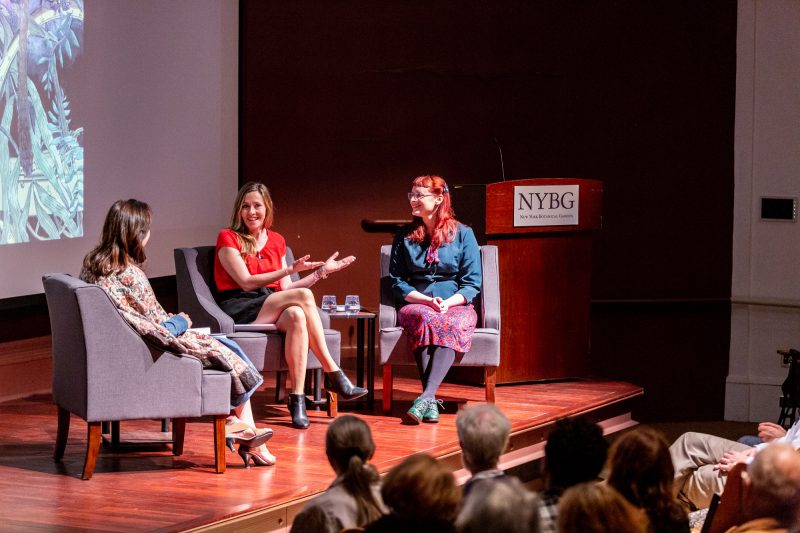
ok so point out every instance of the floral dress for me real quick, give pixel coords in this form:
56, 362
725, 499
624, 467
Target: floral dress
131, 292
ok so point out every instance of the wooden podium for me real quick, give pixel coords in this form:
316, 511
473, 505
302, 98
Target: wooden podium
545, 274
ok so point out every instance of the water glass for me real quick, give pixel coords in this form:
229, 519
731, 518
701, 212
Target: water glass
352, 304
329, 303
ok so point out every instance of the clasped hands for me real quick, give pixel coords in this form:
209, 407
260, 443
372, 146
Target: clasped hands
439, 304
330, 265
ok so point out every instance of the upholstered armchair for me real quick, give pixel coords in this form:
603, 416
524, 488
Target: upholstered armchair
396, 350
104, 371
263, 344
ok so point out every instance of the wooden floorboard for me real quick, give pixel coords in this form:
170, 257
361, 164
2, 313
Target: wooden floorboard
152, 490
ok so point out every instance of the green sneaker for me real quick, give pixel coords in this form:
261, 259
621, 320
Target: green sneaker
431, 415
418, 410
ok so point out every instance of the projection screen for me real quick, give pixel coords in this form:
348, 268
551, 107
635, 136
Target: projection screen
124, 99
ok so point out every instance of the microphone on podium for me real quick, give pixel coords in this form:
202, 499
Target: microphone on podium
502, 166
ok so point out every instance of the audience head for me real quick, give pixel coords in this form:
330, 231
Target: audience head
349, 446
596, 508
575, 452
500, 505
483, 434
772, 485
125, 233
421, 489
642, 471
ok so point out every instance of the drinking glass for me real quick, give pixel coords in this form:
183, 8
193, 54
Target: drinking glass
329, 303
352, 304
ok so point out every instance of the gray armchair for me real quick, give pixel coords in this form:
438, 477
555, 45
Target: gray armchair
396, 350
194, 271
104, 371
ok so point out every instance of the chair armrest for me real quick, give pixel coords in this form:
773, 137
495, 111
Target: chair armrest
255, 327
490, 291
387, 316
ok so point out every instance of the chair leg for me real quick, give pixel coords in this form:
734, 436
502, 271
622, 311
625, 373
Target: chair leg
219, 444
280, 385
333, 404
318, 385
115, 435
92, 447
387, 389
178, 434
490, 376
62, 433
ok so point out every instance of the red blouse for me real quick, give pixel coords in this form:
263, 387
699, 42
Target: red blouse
267, 260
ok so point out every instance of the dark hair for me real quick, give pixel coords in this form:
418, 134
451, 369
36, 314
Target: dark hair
596, 508
349, 445
421, 489
444, 220
124, 230
247, 242
642, 471
575, 452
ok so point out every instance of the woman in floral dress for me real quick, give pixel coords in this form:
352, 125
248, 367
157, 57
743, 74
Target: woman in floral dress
116, 266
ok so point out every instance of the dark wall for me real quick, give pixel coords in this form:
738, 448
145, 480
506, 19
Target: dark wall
342, 103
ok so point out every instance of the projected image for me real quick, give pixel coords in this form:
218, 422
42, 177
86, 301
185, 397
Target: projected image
41, 145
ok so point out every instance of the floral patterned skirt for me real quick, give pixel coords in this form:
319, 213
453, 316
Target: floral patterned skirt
425, 326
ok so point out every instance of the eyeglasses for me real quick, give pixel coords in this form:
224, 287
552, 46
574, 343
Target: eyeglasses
417, 196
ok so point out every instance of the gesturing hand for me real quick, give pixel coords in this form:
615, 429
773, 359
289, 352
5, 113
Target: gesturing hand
304, 264
332, 265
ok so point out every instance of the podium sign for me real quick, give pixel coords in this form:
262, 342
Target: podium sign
546, 205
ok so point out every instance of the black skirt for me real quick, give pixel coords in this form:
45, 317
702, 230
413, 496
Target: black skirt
243, 306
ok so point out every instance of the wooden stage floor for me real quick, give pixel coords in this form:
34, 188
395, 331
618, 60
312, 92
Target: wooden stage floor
152, 490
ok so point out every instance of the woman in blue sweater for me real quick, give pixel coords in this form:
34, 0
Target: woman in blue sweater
436, 271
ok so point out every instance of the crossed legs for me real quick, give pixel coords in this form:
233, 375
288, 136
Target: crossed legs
294, 312
695, 456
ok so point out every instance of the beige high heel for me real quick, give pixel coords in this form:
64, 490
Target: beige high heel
259, 459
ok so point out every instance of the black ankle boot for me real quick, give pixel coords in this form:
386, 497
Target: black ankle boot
297, 409
337, 382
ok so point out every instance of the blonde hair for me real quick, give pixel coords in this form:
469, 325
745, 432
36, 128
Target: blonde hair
246, 241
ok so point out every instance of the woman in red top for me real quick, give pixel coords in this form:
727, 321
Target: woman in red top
254, 285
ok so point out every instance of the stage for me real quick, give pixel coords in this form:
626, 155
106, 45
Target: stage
152, 490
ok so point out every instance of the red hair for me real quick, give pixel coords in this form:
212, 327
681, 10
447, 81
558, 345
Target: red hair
444, 222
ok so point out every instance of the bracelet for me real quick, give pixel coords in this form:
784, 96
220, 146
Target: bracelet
320, 274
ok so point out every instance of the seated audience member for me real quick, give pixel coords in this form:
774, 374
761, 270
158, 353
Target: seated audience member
575, 452
422, 497
771, 491
641, 470
597, 508
254, 285
702, 461
354, 498
499, 505
116, 265
483, 435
